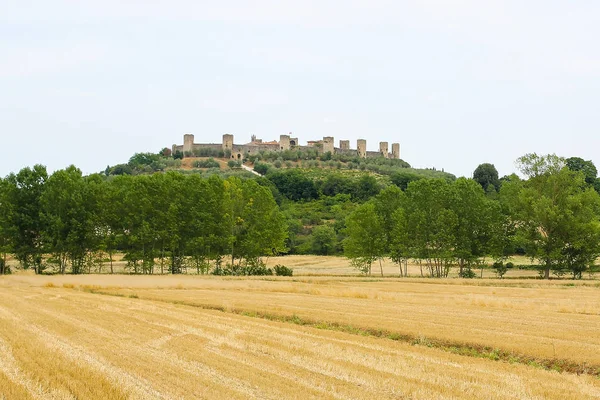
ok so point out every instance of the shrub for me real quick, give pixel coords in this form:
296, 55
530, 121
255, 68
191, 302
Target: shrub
501, 268
467, 273
261, 168
253, 268
282, 270
210, 163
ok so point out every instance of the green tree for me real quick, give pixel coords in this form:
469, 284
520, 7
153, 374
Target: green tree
294, 184
557, 214
67, 216
6, 227
478, 224
403, 178
323, 240
365, 242
25, 190
387, 203
366, 187
587, 167
431, 224
256, 224
487, 175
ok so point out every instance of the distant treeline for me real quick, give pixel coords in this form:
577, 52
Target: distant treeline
553, 217
173, 221
180, 220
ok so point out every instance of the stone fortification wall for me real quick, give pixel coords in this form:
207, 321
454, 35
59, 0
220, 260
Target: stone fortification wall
213, 146
286, 142
349, 152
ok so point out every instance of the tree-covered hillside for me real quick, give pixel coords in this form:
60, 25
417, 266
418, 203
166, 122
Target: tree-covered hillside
208, 215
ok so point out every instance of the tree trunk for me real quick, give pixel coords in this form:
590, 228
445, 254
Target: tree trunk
381, 267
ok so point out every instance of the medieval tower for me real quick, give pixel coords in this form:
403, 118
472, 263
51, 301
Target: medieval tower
383, 149
227, 142
284, 142
328, 145
396, 151
361, 147
188, 142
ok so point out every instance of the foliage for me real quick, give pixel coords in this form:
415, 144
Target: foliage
181, 220
23, 192
557, 214
587, 167
252, 269
226, 221
366, 237
324, 240
209, 163
166, 152
487, 176
294, 185
282, 270
261, 168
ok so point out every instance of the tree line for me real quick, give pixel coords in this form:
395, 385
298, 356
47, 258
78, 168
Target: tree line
553, 214
183, 221
170, 221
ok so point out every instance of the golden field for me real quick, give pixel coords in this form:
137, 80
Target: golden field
311, 265
170, 337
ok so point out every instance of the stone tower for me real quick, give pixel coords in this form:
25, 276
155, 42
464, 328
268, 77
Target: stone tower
344, 144
328, 144
396, 151
383, 149
227, 142
284, 142
361, 148
188, 142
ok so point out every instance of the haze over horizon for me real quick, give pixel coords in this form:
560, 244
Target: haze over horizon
456, 83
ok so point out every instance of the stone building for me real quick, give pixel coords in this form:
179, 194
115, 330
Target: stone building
286, 142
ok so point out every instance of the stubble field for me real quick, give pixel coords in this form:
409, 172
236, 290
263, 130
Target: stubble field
153, 337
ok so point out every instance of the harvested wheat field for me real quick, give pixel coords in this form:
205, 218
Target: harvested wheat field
161, 337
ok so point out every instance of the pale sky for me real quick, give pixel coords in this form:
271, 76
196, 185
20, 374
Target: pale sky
456, 83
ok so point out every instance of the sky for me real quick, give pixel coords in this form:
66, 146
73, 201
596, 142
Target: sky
456, 83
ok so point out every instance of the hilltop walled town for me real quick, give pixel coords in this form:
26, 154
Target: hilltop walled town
286, 142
